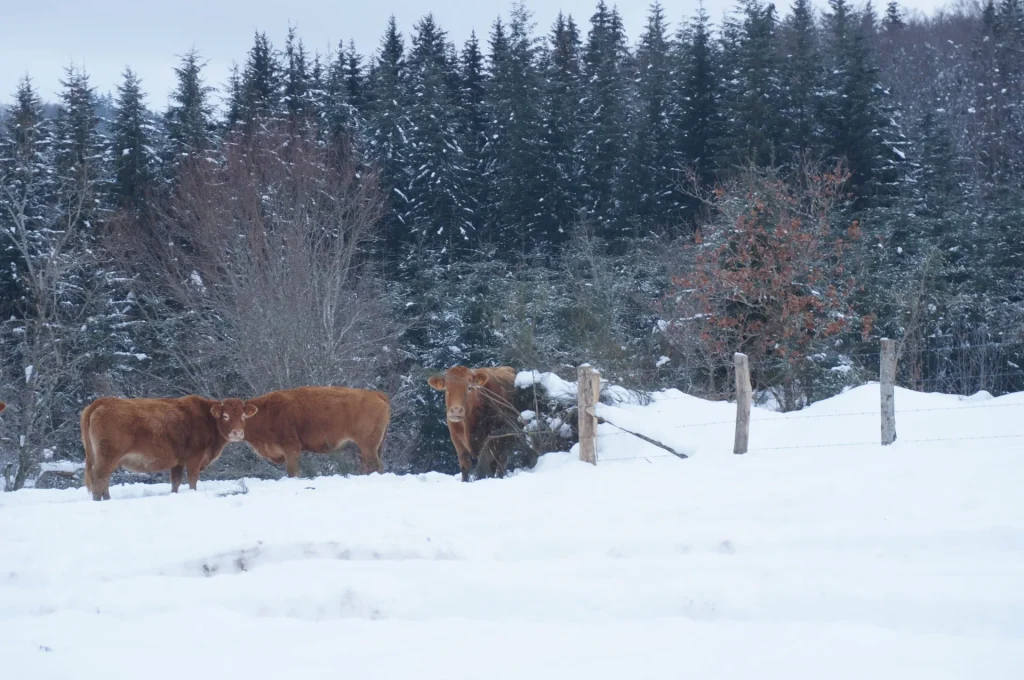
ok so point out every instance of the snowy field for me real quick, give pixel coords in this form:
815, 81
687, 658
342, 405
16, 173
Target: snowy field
801, 559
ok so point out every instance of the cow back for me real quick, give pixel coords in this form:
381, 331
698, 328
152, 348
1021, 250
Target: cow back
318, 418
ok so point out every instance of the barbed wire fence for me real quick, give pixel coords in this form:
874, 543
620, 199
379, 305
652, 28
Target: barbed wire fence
891, 372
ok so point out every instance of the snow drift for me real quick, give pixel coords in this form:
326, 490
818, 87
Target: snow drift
818, 554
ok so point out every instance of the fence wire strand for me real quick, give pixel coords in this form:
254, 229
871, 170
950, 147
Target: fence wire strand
613, 459
927, 360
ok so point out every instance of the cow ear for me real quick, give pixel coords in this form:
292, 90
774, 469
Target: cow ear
216, 410
436, 381
480, 378
250, 411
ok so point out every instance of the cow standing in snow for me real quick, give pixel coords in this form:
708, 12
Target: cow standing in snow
321, 420
151, 435
482, 421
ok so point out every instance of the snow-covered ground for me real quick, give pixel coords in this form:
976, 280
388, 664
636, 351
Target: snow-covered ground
794, 561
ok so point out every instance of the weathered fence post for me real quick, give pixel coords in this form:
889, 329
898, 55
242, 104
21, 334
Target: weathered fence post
743, 397
887, 382
588, 392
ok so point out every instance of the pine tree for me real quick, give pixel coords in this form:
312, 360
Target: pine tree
80, 162
647, 184
856, 126
318, 89
752, 85
1005, 98
516, 151
604, 115
473, 128
387, 127
26, 190
697, 111
801, 89
340, 117
296, 95
236, 105
136, 165
893, 20
563, 125
354, 78
261, 86
438, 212
869, 23
189, 117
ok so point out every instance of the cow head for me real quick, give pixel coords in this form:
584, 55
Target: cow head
231, 415
456, 383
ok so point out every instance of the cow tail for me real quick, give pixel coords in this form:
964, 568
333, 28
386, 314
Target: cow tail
88, 447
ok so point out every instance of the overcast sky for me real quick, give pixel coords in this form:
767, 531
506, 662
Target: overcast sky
41, 37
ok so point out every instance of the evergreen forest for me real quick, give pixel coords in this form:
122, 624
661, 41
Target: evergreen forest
792, 182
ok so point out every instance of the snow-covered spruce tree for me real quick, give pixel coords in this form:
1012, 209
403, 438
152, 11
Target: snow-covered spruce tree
472, 129
564, 73
25, 141
517, 162
259, 89
233, 90
697, 114
102, 190
751, 84
355, 77
801, 76
344, 102
386, 132
604, 118
296, 89
893, 20
649, 178
855, 125
80, 161
191, 132
134, 158
438, 213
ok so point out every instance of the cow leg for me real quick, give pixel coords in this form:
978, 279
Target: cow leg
465, 464
193, 474
176, 473
369, 456
372, 454
291, 462
101, 480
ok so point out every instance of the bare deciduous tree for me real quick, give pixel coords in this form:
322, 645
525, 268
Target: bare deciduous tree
265, 257
46, 231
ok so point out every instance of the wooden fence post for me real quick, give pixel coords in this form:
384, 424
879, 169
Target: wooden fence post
887, 382
588, 392
743, 397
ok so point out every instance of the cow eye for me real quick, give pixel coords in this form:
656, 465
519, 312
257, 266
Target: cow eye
225, 416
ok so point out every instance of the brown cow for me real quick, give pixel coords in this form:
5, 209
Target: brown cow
2, 406
151, 435
477, 402
321, 420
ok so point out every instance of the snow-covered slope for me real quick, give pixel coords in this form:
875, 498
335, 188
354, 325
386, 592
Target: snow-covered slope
832, 562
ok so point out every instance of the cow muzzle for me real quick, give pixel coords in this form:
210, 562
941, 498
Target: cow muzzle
456, 414
236, 435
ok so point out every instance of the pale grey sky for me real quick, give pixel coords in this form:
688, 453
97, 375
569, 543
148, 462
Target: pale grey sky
41, 37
